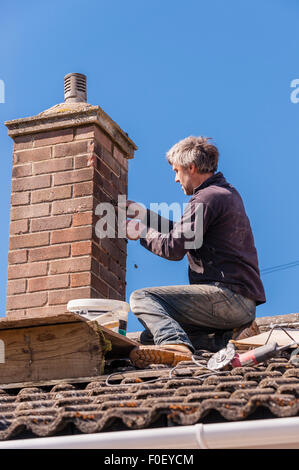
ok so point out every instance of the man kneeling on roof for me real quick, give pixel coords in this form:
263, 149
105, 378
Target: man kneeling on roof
225, 286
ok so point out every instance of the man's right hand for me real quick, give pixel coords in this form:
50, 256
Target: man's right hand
133, 209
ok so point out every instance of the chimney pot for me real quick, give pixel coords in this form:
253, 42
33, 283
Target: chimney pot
75, 88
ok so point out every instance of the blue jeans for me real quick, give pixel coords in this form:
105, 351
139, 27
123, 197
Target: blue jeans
190, 314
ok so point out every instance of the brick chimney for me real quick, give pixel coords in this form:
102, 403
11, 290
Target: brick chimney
66, 160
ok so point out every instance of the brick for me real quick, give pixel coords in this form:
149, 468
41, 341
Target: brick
103, 169
20, 171
83, 189
52, 166
106, 156
17, 199
119, 156
30, 212
75, 176
81, 204
27, 270
115, 295
115, 180
64, 296
80, 279
85, 132
48, 283
100, 255
109, 278
83, 161
116, 269
50, 252
83, 218
114, 246
71, 149
16, 287
45, 311
29, 300
98, 179
81, 248
31, 182
17, 257
23, 142
34, 155
53, 137
20, 313
95, 266
19, 226
29, 240
99, 285
95, 294
71, 265
51, 223
52, 194
103, 139
100, 195
71, 234
110, 189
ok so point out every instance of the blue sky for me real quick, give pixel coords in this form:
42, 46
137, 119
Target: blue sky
164, 70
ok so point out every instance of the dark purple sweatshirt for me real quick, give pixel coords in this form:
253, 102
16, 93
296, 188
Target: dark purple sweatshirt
227, 253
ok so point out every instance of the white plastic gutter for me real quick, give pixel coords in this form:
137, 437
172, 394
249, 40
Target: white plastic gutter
265, 433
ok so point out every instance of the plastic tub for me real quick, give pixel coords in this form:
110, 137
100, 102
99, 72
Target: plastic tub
112, 314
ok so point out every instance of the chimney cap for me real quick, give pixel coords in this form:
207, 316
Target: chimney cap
75, 90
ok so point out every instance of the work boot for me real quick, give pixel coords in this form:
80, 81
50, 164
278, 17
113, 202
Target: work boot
170, 355
246, 331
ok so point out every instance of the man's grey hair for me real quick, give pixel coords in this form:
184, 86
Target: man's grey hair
197, 150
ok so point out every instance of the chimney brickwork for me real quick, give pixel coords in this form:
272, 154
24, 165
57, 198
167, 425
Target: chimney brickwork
65, 161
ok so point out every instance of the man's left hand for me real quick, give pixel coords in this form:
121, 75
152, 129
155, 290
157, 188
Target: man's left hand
134, 229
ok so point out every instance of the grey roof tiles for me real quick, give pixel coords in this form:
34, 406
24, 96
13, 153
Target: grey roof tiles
158, 395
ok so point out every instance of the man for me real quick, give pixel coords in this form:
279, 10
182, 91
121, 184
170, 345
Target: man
225, 285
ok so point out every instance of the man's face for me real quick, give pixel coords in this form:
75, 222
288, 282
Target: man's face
184, 177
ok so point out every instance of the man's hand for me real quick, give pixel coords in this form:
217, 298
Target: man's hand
133, 209
134, 229
134, 212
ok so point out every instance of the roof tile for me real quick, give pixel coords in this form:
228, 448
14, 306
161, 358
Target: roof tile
136, 399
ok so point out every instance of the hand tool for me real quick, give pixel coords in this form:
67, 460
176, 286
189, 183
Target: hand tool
228, 356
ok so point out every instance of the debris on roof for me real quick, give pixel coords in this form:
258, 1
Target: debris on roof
128, 398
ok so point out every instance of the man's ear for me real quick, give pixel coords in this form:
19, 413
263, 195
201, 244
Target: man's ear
192, 168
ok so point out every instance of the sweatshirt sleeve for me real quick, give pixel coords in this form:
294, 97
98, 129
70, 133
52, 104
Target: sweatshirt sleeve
185, 235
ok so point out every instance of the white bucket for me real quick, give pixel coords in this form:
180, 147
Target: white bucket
112, 314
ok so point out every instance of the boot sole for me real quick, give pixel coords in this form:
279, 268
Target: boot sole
144, 357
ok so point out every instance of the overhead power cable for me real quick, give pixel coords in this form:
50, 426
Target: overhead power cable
280, 267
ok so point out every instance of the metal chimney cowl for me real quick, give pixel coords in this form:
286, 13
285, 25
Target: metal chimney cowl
75, 88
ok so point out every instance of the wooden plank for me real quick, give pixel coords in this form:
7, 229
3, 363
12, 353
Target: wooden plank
48, 352
15, 322
277, 336
121, 345
54, 347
